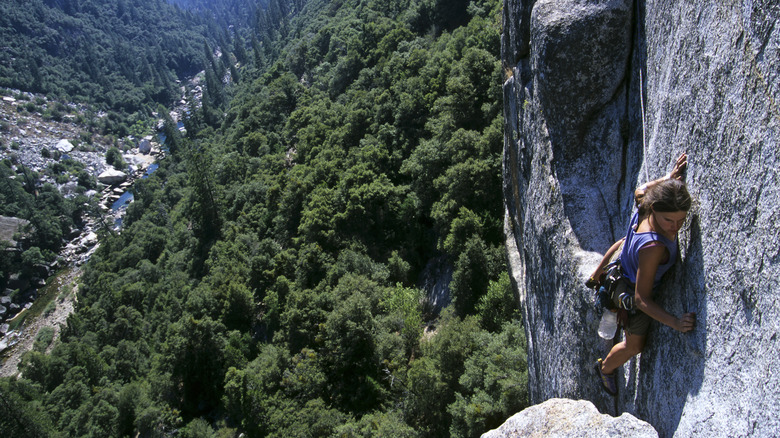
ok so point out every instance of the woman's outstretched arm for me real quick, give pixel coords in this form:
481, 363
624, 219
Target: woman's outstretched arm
678, 172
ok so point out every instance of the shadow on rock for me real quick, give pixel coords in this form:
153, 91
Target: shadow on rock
672, 367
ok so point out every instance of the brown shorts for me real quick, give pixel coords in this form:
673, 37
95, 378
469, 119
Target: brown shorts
638, 321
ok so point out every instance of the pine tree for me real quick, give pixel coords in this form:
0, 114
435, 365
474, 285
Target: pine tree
239, 49
259, 56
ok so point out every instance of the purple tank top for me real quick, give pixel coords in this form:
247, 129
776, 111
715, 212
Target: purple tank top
629, 258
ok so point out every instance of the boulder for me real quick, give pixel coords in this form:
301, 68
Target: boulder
41, 270
604, 96
90, 239
30, 295
436, 279
18, 282
145, 145
9, 226
69, 189
111, 177
563, 418
73, 233
64, 146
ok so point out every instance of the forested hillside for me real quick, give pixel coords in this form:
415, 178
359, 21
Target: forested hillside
267, 279
225, 13
103, 69
123, 55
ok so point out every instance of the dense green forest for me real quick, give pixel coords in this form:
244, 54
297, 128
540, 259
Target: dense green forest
267, 279
123, 55
51, 217
240, 14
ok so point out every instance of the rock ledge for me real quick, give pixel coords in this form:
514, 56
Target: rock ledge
561, 418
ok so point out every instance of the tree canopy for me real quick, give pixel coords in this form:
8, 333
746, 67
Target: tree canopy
124, 56
267, 280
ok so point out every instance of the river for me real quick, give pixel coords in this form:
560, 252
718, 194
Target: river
127, 197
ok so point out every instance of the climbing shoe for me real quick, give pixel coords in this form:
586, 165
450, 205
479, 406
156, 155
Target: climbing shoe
607, 380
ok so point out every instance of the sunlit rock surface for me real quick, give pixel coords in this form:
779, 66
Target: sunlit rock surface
64, 146
111, 177
562, 418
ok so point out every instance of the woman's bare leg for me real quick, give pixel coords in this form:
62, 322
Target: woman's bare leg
622, 352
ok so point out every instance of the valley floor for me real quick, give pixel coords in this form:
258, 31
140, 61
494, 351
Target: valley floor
55, 319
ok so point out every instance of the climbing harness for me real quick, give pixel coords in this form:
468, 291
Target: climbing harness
605, 290
615, 293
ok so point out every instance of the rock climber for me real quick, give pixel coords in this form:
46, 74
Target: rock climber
647, 251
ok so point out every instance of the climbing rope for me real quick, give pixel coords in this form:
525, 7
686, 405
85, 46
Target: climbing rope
642, 95
642, 107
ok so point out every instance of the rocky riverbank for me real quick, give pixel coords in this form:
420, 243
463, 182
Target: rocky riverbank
55, 316
35, 134
34, 139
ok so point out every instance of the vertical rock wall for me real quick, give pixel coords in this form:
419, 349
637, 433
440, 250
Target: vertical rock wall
705, 79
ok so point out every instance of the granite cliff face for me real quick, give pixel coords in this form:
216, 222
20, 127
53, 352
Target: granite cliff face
600, 97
